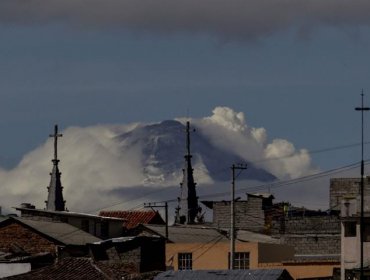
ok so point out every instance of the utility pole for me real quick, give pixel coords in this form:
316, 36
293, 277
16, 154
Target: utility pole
232, 227
362, 224
163, 205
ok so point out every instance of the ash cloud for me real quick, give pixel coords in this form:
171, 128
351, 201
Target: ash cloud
231, 19
101, 168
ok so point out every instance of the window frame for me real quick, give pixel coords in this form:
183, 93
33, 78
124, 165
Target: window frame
185, 261
241, 260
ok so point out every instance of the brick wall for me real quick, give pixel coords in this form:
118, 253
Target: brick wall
316, 235
31, 242
248, 214
329, 224
310, 244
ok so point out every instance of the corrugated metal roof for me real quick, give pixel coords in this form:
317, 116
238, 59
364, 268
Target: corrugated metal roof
66, 213
62, 232
135, 218
249, 236
260, 274
189, 234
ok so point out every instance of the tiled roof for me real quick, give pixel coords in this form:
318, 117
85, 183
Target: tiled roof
135, 218
83, 269
62, 232
69, 268
249, 274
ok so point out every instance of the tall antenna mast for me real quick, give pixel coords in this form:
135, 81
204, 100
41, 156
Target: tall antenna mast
362, 109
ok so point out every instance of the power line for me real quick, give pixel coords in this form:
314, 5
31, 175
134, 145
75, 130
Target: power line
289, 182
273, 185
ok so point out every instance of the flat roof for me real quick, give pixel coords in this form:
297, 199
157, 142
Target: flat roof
68, 213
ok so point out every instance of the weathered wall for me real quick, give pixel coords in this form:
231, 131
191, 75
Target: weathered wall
326, 224
316, 235
248, 214
345, 187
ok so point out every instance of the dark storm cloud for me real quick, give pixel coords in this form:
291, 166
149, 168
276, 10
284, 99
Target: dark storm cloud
244, 19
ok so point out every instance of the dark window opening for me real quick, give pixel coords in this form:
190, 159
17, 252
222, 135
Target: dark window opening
349, 229
185, 261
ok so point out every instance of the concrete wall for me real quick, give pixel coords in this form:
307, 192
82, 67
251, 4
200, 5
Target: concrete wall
342, 187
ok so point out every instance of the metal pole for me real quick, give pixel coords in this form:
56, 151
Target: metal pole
232, 228
362, 222
166, 218
165, 206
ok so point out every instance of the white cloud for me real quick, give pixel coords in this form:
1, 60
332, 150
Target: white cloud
229, 130
284, 161
95, 164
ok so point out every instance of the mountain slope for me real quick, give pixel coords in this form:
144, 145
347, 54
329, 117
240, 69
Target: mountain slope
163, 149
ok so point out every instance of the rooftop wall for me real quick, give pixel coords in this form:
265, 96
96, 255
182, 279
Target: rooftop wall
346, 187
249, 214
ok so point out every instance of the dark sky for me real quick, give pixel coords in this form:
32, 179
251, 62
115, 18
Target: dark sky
295, 70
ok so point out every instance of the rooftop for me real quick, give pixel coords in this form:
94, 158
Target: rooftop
188, 234
61, 232
134, 218
69, 268
67, 213
260, 274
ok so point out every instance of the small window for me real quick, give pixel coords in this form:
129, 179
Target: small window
185, 261
241, 260
349, 229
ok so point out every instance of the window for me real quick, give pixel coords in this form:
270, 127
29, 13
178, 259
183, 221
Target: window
241, 260
185, 261
349, 229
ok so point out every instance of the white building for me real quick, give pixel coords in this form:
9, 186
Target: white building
350, 238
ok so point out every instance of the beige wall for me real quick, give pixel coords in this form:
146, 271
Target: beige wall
215, 255
262, 256
307, 270
311, 271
